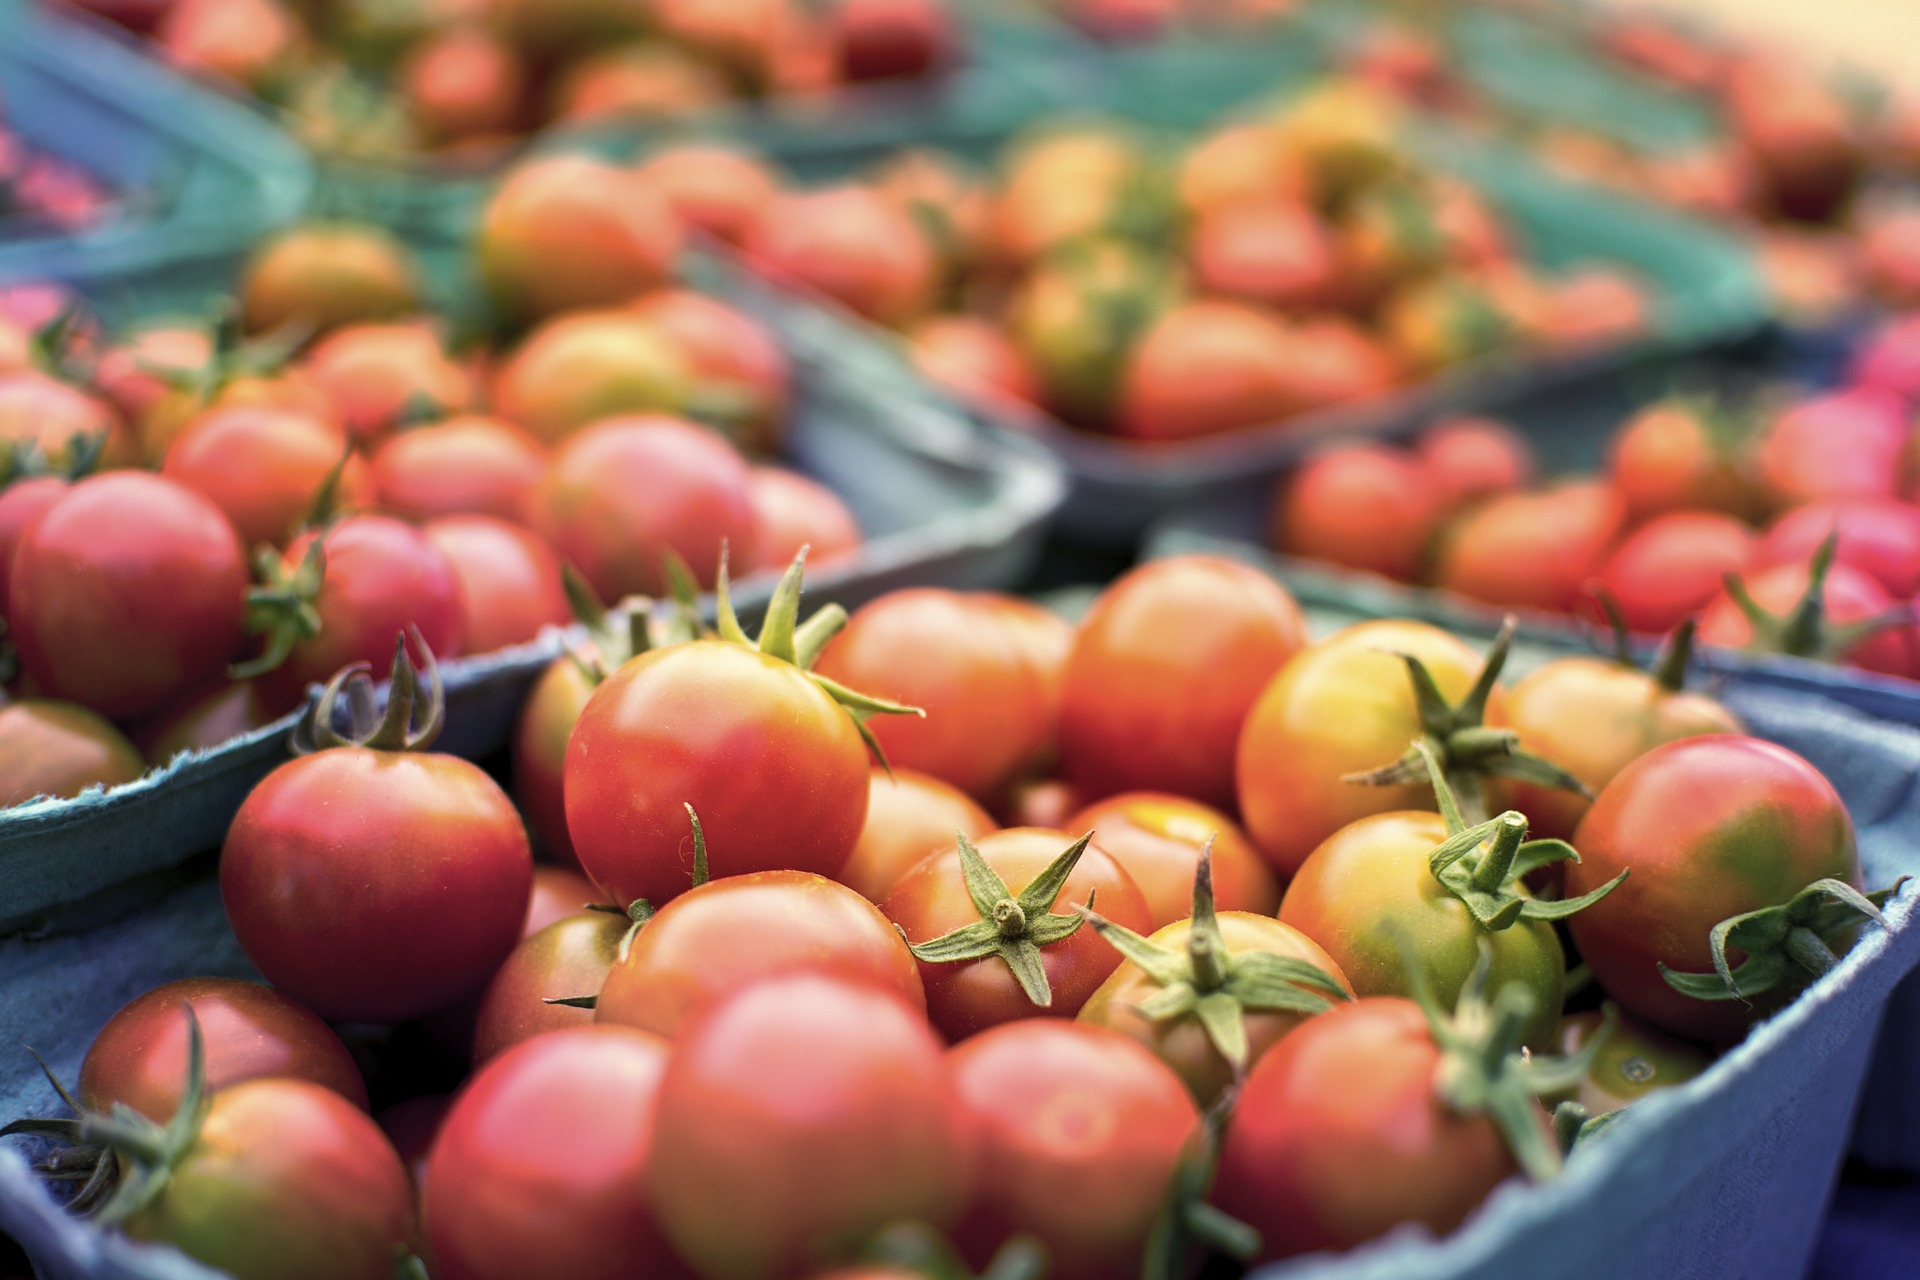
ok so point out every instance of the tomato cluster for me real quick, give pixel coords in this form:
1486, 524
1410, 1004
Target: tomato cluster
1302, 976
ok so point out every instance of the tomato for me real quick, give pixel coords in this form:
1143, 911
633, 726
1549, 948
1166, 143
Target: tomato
1366, 507
1062, 1104
125, 594
910, 817
1711, 827
540, 1169
1247, 162
264, 468
792, 512
1798, 136
884, 39
1338, 707
945, 193
1276, 252
21, 503
539, 750
569, 231
509, 581
1633, 1061
141, 376
462, 85
250, 42
974, 357
1059, 186
209, 717
286, 1180
1593, 718
410, 1126
1879, 537
381, 577
1204, 368
718, 188
727, 934
1333, 361
742, 374
59, 749
378, 375
1047, 639
583, 366
557, 893
1889, 359
38, 410
1339, 1135
968, 995
627, 490
1157, 840
1887, 257
324, 275
1531, 550
1843, 445
950, 653
851, 245
376, 884
467, 465
1468, 458
1673, 566
638, 83
792, 1077
1165, 668
1679, 455
1849, 599
1595, 305
563, 960
139, 1058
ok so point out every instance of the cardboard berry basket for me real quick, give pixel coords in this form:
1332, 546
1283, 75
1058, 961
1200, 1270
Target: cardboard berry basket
192, 178
942, 502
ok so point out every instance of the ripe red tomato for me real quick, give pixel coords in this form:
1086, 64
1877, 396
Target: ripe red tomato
792, 1077
973, 356
647, 81
462, 85
727, 934
988, 714
1066, 1104
791, 512
1205, 368
1059, 185
561, 961
21, 503
39, 410
1592, 305
1468, 458
249, 42
910, 817
1848, 596
378, 375
509, 581
718, 188
215, 714
852, 245
249, 1031
1712, 827
1157, 840
742, 374
932, 900
583, 366
1531, 550
125, 594
1676, 455
324, 275
265, 468
1842, 445
885, 39
1165, 668
1275, 252
539, 752
557, 893
60, 749
1366, 507
1879, 537
540, 1169
1673, 566
626, 490
1889, 359
469, 465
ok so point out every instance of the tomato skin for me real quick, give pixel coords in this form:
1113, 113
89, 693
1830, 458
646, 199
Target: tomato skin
124, 555
1593, 718
1165, 668
462, 85
1848, 596
973, 356
466, 465
206, 718
1366, 507
376, 373
1340, 706
327, 275
716, 188
1157, 838
910, 816
853, 246
950, 654
509, 581
1469, 458
567, 958
722, 936
51, 748
540, 1169
791, 511
1842, 445
1064, 1104
21, 503
1182, 1043
1635, 1060
1337, 1136
789, 1078
732, 732
557, 893
263, 468
339, 865
1881, 538
1276, 252
583, 366
250, 1032
968, 996
539, 750
627, 489
287, 1181
1531, 550
1664, 459
38, 409
1712, 827
1206, 368
728, 352
410, 1126
1673, 566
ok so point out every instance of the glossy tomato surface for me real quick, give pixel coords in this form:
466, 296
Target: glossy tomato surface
509, 581
466, 465
910, 816
59, 749
562, 960
264, 468
539, 752
1157, 839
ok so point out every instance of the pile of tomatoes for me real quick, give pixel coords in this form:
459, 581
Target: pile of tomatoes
1786, 520
1272, 954
383, 81
202, 523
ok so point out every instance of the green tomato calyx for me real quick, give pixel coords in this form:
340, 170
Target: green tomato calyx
919, 1249
280, 608
633, 627
392, 729
1804, 631
1787, 945
1212, 985
1187, 1223
1011, 927
1484, 865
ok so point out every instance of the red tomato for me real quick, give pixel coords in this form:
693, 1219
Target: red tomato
1468, 458
539, 749
540, 1170
125, 594
853, 246
1060, 185
726, 934
1065, 1104
1890, 359
718, 188
324, 275
791, 512
793, 1077
210, 717
626, 490
932, 901
1278, 252
1677, 455
1879, 537
1593, 305
973, 356
1798, 136
509, 581
584, 366
1205, 368
1366, 507
249, 1031
377, 375
1673, 566
250, 42
462, 85
411, 1126
1047, 639
1163, 673
743, 375
1248, 161
1848, 596
1531, 550
953, 655
1332, 361
39, 410
557, 894
910, 817
264, 468
884, 39
21, 503
1157, 840
469, 465
636, 83
1843, 445
567, 958
59, 749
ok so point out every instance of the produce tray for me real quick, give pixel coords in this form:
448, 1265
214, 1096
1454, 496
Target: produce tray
197, 179
943, 503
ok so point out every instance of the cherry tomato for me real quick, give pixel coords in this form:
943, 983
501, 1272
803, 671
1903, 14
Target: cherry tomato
1879, 537
540, 1170
264, 468
1063, 1104
1060, 185
211, 717
1468, 458
539, 751
60, 749
1848, 596
1366, 507
851, 245
1074, 323
718, 188
563, 960
886, 39
1531, 550
638, 82
1592, 305
249, 1031
1634, 1061
1276, 252
583, 366
469, 465
1842, 445
249, 42
910, 817
509, 581
1044, 802
39, 410
557, 894
1241, 162
325, 275
742, 372
462, 85
1675, 455
377, 375
1166, 666
21, 503
789, 1078
791, 512
1157, 840
973, 356
1673, 566
1890, 359
1205, 368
